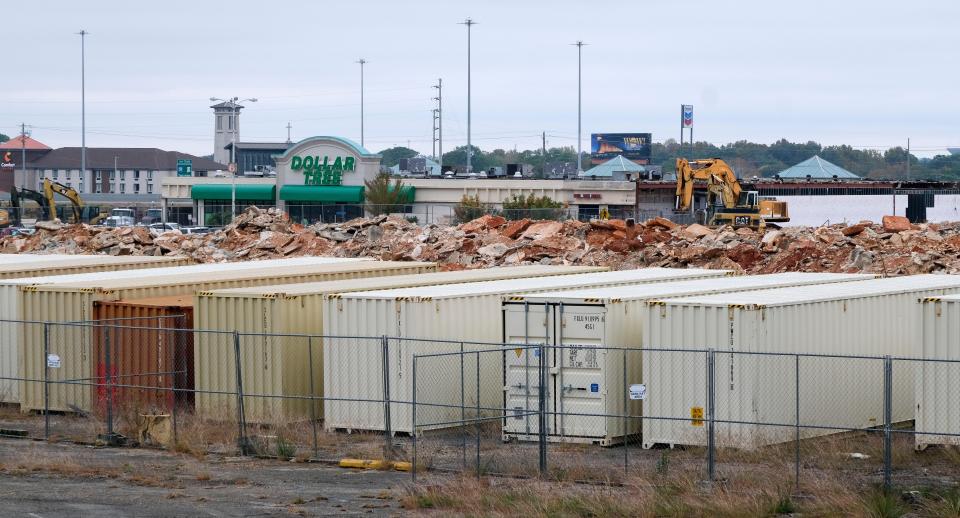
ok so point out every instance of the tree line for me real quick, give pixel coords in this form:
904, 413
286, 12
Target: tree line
747, 158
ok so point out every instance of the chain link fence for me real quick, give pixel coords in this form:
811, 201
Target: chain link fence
589, 412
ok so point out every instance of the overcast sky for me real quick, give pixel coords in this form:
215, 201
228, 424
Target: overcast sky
865, 73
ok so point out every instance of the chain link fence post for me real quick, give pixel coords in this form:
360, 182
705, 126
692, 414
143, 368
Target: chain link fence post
108, 381
413, 417
46, 381
179, 323
887, 421
542, 408
387, 424
477, 416
796, 427
242, 442
463, 415
711, 430
626, 411
313, 399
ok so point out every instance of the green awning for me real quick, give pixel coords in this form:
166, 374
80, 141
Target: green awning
322, 193
224, 191
407, 193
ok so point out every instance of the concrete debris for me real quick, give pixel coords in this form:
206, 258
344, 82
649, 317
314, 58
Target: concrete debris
891, 248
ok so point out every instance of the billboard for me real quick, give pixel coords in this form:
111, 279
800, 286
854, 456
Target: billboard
633, 146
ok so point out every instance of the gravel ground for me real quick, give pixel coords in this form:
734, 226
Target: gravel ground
67, 480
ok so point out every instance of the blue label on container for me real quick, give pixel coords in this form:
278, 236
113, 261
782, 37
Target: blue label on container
594, 387
536, 353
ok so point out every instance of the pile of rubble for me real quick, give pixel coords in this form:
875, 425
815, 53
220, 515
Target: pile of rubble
894, 247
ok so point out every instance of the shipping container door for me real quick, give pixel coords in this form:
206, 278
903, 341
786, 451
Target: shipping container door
577, 372
526, 326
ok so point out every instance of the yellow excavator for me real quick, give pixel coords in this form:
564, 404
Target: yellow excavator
51, 188
727, 202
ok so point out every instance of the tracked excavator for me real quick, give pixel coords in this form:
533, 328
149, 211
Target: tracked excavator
47, 202
51, 189
727, 201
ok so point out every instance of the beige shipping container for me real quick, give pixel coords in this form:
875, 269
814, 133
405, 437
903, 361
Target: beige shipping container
51, 269
294, 309
938, 382
73, 302
50, 265
586, 380
433, 320
869, 319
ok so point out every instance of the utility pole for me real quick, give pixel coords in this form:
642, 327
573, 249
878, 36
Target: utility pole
116, 175
362, 62
469, 23
23, 154
579, 45
289, 127
543, 174
433, 116
439, 99
908, 159
83, 104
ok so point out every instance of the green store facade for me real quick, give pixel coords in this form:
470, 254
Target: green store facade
318, 179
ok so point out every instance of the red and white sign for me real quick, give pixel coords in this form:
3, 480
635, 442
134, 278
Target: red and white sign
687, 115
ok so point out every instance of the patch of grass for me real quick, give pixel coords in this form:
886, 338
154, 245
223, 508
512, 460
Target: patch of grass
298, 501
879, 504
945, 505
285, 450
203, 477
784, 505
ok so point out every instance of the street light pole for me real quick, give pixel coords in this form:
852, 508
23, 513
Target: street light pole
469, 23
362, 62
83, 103
579, 46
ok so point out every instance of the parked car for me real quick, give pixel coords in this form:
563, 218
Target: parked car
196, 230
159, 228
152, 216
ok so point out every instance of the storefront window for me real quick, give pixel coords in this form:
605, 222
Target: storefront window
308, 213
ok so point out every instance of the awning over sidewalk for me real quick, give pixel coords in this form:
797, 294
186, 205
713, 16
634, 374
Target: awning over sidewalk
322, 193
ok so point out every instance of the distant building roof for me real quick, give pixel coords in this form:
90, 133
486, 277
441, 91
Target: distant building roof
432, 167
126, 158
227, 104
21, 142
817, 168
268, 146
615, 164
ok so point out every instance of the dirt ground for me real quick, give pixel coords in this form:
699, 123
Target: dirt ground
67, 480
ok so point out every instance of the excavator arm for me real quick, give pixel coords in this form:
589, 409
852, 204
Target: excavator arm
50, 188
18, 195
718, 175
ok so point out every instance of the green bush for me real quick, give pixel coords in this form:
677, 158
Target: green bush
534, 207
469, 209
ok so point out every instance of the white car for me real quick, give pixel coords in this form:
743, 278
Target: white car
159, 228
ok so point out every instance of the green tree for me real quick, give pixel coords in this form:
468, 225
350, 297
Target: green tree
391, 156
469, 209
384, 197
3, 138
531, 206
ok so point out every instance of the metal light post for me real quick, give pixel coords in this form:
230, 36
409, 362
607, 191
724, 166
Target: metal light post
439, 99
469, 23
362, 62
233, 148
83, 103
579, 46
